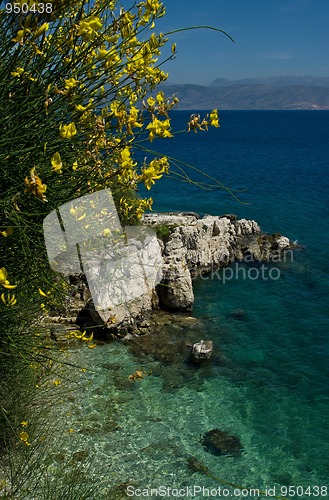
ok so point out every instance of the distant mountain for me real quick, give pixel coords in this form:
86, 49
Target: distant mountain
277, 81
257, 93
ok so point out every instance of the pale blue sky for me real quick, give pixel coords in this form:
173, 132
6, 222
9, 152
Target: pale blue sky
273, 38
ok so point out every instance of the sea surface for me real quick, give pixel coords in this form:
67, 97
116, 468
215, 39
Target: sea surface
268, 382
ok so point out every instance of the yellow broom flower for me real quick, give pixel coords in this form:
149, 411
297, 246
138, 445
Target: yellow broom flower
67, 131
56, 163
3, 279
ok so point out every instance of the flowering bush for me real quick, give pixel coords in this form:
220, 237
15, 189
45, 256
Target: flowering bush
78, 96
76, 85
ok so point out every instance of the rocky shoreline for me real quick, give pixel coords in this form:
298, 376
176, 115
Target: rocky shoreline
190, 246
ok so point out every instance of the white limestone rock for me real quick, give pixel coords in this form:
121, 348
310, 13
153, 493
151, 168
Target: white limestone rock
193, 245
283, 242
176, 289
202, 350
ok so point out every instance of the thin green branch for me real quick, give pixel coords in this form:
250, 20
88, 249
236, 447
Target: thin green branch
197, 28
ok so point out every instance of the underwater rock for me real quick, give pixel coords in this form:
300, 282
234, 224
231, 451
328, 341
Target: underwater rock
202, 350
239, 315
119, 491
162, 346
218, 442
79, 456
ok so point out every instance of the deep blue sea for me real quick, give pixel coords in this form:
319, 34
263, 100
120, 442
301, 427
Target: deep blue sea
268, 384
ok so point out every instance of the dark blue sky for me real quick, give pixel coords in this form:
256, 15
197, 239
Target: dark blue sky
273, 38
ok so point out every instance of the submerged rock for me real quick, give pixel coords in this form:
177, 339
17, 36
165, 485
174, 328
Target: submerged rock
202, 350
218, 442
80, 456
239, 315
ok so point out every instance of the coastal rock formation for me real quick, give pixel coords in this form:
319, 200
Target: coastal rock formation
213, 241
176, 290
197, 245
123, 316
202, 350
190, 246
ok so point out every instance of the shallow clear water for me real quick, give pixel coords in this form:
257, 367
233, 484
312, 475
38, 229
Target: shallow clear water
268, 382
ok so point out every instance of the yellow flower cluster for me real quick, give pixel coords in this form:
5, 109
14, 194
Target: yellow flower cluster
8, 232
4, 279
214, 120
67, 131
56, 163
126, 164
132, 209
22, 34
160, 105
23, 435
19, 72
159, 128
9, 300
70, 84
154, 171
150, 9
89, 27
142, 206
196, 123
35, 186
115, 53
132, 120
83, 338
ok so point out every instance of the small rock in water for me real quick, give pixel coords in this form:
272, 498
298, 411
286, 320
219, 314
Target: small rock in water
218, 442
239, 315
283, 242
202, 350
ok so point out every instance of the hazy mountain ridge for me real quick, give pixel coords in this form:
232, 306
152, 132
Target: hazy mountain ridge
255, 93
309, 81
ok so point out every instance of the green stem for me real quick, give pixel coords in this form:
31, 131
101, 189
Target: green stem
199, 27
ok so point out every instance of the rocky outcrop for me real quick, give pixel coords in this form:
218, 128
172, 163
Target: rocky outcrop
175, 290
190, 245
199, 245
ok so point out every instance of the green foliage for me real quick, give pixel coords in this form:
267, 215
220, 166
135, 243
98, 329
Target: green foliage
163, 231
74, 82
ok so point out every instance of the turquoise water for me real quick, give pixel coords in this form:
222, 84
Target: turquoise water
268, 382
